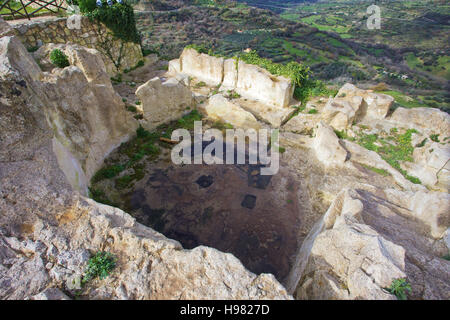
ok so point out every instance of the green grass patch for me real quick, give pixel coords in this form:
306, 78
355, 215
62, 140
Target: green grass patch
376, 170
393, 149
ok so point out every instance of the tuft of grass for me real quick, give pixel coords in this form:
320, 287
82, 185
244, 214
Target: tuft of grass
99, 266
341, 134
200, 84
108, 172
231, 94
400, 150
313, 111
399, 287
446, 257
434, 137
376, 170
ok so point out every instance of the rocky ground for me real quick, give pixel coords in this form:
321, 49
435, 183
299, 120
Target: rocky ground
361, 199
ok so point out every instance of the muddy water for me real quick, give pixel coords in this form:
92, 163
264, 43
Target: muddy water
229, 207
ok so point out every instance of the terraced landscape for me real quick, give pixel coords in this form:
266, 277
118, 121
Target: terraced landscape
410, 53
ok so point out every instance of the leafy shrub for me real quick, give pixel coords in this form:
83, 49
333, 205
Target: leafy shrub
59, 59
399, 287
100, 265
87, 5
117, 17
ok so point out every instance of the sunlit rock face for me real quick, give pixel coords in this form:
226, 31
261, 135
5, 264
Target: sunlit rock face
57, 128
337, 221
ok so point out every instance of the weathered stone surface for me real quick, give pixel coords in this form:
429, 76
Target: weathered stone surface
431, 165
116, 54
88, 117
341, 113
356, 250
174, 66
202, 66
303, 123
375, 105
230, 74
258, 84
5, 28
427, 119
270, 114
48, 230
220, 108
327, 147
51, 294
163, 101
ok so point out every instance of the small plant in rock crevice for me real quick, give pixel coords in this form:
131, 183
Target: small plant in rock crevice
399, 288
59, 59
99, 266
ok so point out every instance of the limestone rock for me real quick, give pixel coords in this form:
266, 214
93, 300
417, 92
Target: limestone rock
87, 116
327, 147
174, 66
163, 101
375, 105
258, 84
48, 230
230, 74
341, 113
427, 119
431, 165
51, 294
202, 66
274, 116
302, 123
5, 28
357, 249
220, 108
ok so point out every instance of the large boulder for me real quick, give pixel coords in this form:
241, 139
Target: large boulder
341, 113
357, 250
163, 101
88, 117
220, 108
55, 126
202, 66
431, 165
259, 84
327, 148
375, 105
423, 119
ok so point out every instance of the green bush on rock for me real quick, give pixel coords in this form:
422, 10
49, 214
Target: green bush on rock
119, 17
100, 265
59, 59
